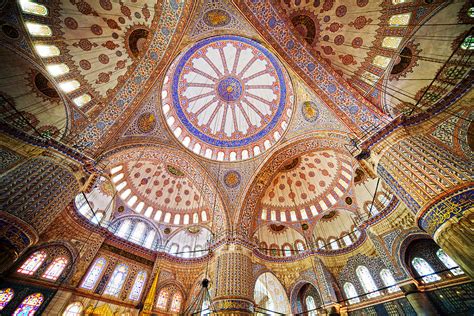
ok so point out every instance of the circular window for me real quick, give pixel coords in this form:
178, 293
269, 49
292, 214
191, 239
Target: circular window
227, 98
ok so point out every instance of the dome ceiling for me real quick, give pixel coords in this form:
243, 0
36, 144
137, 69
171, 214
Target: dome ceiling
227, 98
306, 186
163, 185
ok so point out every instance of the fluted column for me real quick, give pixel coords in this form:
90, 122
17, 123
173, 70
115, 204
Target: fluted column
418, 300
233, 281
436, 185
36, 191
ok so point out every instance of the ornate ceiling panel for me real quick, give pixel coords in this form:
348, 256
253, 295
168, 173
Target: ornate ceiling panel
164, 185
309, 184
227, 98
104, 39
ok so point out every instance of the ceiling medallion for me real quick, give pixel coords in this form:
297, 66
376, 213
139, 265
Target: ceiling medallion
232, 179
310, 111
194, 229
227, 98
216, 18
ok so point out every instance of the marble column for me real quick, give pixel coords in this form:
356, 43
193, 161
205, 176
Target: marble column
436, 185
33, 193
419, 300
232, 281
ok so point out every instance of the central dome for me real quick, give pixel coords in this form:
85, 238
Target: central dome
227, 98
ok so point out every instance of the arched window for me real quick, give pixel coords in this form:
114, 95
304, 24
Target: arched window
372, 209
150, 238
424, 270
347, 240
310, 306
32, 263
198, 251
367, 281
116, 281
449, 262
137, 233
333, 244
287, 250
124, 228
186, 252
6, 296
74, 309
97, 218
320, 244
94, 274
174, 249
30, 305
176, 302
55, 269
389, 281
351, 293
163, 297
138, 286
300, 246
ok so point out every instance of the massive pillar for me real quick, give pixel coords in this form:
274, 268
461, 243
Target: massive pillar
436, 185
418, 300
233, 281
32, 195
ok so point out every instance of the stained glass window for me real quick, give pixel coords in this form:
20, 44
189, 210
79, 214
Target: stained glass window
424, 269
468, 43
162, 299
389, 281
55, 268
287, 251
138, 286
32, 263
449, 262
351, 293
33, 8
320, 244
30, 305
176, 302
94, 274
6, 296
116, 281
74, 309
381, 61
367, 282
310, 306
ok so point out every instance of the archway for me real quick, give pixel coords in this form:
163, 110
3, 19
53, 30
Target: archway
270, 295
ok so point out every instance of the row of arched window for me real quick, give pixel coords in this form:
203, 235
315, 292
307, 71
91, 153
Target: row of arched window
286, 250
169, 299
368, 284
28, 306
334, 244
116, 281
137, 232
186, 251
421, 266
52, 272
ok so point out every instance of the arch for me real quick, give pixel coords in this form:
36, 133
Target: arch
73, 309
32, 263
424, 270
351, 293
367, 282
95, 271
170, 297
55, 269
6, 296
270, 294
448, 262
30, 305
298, 294
115, 284
138, 285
